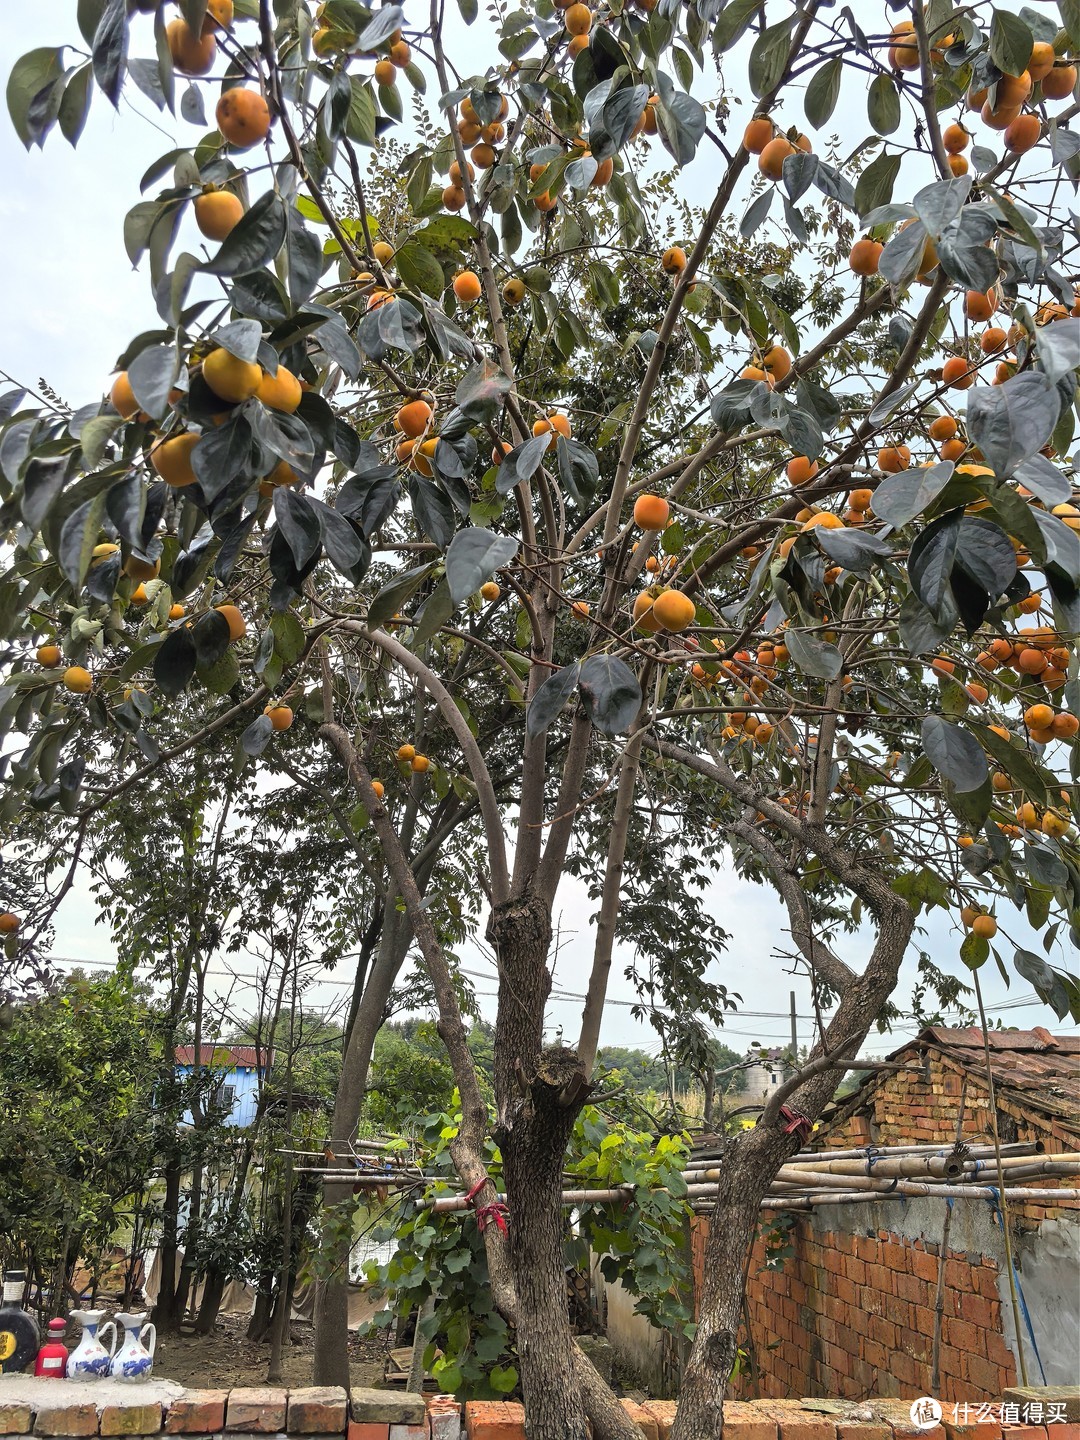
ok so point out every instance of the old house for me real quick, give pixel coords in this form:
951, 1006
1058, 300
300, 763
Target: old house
905, 1295
237, 1070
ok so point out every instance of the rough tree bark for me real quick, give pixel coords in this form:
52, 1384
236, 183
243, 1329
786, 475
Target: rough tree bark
522, 941
753, 1159
330, 1365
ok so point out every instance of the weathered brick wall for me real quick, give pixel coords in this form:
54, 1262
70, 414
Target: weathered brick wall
49, 1410
853, 1315
917, 1107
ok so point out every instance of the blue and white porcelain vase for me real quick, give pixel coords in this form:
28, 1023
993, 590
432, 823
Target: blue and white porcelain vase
134, 1360
90, 1360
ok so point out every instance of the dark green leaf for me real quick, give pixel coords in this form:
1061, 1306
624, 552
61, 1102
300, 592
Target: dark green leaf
813, 656
610, 693
875, 184
419, 269
298, 523
480, 391
78, 536
1010, 42
434, 513
257, 736
109, 49
42, 483
75, 105
955, 753
31, 74
900, 497
396, 594
474, 556
210, 638
254, 241
549, 700
902, 257
152, 374
819, 102
769, 56
381, 27
174, 663
434, 613
883, 105
1010, 423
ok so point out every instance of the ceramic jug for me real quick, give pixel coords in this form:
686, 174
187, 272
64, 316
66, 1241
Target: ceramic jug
134, 1359
90, 1360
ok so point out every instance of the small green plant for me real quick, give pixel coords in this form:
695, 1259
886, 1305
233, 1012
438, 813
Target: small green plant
440, 1258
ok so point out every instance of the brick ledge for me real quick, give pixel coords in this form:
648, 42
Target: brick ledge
63, 1410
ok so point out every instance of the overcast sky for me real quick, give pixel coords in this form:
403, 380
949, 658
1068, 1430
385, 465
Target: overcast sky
71, 303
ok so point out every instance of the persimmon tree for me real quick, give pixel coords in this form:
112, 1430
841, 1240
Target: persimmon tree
598, 411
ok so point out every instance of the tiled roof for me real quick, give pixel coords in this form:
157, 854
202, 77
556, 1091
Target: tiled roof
225, 1057
1039, 1070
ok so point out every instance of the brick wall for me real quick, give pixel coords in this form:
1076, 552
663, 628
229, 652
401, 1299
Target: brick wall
852, 1315
917, 1107
56, 1409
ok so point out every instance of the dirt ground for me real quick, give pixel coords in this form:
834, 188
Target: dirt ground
227, 1358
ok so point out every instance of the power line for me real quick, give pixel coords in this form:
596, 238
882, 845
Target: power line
1020, 1002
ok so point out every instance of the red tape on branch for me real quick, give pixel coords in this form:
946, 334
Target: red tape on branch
485, 1214
795, 1122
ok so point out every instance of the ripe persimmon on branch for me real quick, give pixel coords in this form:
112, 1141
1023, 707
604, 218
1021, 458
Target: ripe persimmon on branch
568, 503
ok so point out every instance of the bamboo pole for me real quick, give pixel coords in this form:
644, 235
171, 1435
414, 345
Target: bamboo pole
446, 1204
1016, 1147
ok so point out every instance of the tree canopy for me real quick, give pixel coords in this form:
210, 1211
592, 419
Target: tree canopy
578, 475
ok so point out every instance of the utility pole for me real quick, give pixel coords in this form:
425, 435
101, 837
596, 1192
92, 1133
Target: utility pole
794, 1033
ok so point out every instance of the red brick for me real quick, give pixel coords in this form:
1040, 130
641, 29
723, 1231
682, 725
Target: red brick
256, 1410
406, 1431
897, 1414
197, 1412
1025, 1432
985, 1378
795, 1423
369, 1430
964, 1336
744, 1421
967, 1427
15, 1419
863, 1432
663, 1412
977, 1310
925, 1266
911, 1287
130, 1419
642, 1419
73, 1418
959, 1276
317, 1410
494, 1420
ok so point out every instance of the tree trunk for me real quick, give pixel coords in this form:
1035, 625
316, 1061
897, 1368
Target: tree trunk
330, 1364
213, 1291
535, 1120
184, 1286
709, 1086
165, 1314
532, 1165
732, 1225
259, 1323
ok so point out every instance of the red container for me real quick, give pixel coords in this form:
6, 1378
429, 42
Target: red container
52, 1357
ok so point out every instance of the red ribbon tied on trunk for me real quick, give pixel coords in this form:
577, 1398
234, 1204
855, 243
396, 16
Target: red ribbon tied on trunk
496, 1211
795, 1122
